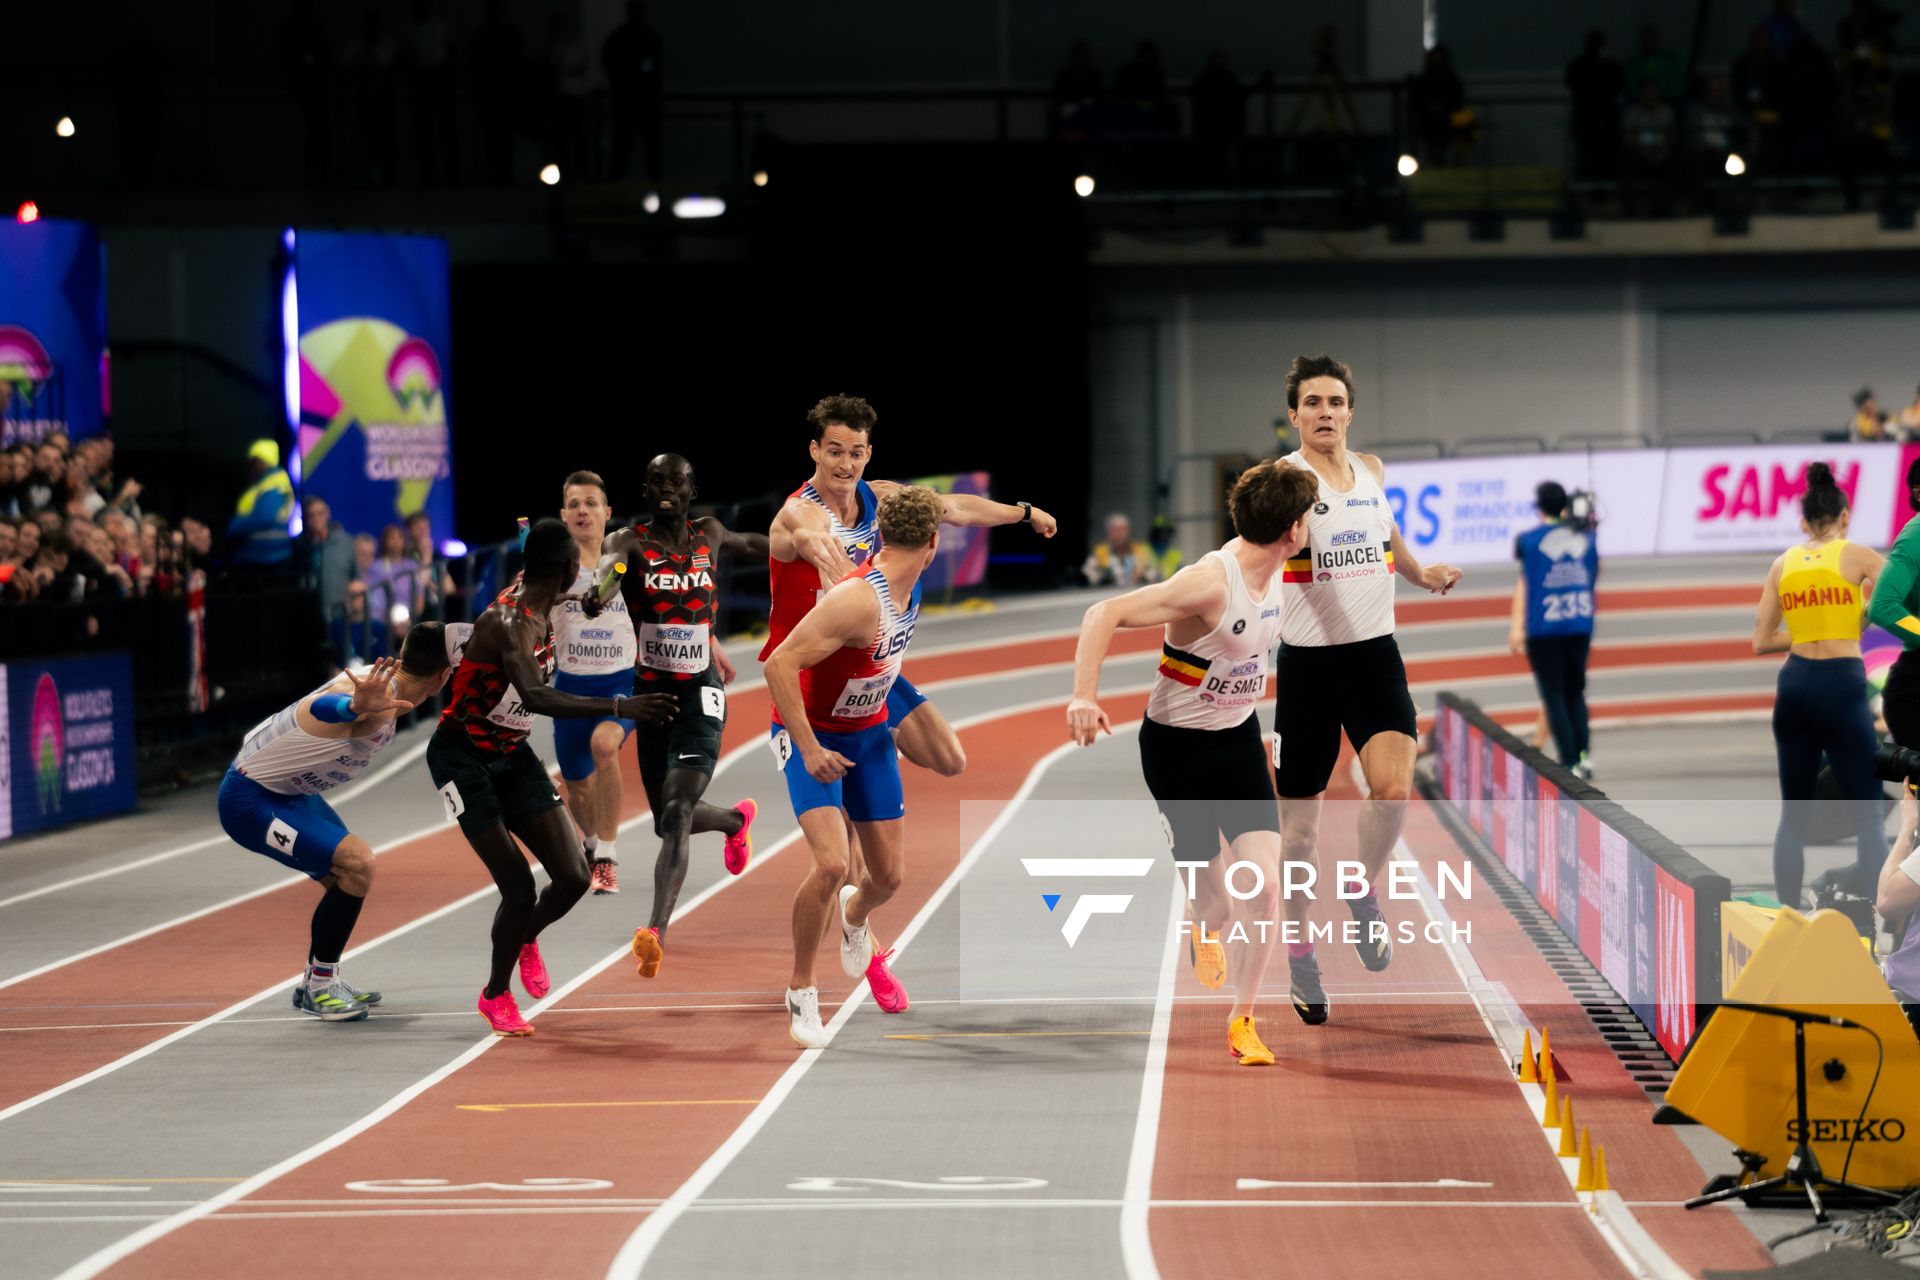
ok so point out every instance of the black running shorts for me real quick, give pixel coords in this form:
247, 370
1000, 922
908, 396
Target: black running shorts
480, 790
1208, 783
1320, 690
691, 740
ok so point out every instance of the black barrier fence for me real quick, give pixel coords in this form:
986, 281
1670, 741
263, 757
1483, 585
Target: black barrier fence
265, 643
1643, 910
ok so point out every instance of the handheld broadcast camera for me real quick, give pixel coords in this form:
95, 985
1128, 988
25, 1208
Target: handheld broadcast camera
1582, 513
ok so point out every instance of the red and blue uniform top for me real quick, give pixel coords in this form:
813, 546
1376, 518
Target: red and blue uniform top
848, 691
796, 583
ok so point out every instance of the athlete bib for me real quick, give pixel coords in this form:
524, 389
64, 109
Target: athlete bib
863, 696
511, 713
679, 647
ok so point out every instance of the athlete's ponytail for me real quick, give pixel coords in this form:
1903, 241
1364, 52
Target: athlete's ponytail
1823, 502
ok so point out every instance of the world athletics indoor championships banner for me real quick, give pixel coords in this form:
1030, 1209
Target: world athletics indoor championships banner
374, 436
53, 330
66, 741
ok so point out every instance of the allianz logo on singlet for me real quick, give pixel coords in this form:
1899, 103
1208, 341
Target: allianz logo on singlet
1814, 597
679, 581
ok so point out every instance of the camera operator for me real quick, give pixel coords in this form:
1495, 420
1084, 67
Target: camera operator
1553, 616
1898, 896
1811, 606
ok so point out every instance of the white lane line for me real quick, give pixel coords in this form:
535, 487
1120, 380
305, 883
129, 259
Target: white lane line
100, 1260
1136, 1242
639, 1247
810, 1206
351, 791
731, 758
106, 1257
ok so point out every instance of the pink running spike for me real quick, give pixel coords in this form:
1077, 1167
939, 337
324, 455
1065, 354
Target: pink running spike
533, 971
887, 991
740, 845
504, 1015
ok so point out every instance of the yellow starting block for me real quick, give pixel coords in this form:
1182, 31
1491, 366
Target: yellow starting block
1738, 1078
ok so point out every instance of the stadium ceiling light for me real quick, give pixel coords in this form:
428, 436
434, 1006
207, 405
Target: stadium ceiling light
550, 174
453, 548
28, 212
64, 126
652, 202
1083, 186
1735, 165
1407, 165
699, 207
760, 178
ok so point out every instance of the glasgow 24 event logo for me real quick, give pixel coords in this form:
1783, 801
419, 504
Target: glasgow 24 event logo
47, 742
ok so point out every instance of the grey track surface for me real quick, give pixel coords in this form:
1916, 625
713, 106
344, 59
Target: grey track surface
243, 1093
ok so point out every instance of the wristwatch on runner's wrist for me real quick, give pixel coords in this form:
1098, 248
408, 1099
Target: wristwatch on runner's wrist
1026, 512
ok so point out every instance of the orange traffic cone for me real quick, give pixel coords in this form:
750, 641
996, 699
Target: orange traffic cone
1529, 1069
1569, 1136
1584, 1180
1600, 1182
1550, 1109
1546, 1056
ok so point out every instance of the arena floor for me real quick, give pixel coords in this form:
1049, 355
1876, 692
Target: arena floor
163, 1112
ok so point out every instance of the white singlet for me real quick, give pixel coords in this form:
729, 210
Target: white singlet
281, 756
584, 646
1214, 682
1339, 587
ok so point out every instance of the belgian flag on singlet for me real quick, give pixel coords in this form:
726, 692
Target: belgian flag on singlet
1182, 667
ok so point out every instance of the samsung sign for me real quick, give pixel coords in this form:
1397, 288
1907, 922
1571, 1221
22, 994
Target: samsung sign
67, 741
1651, 501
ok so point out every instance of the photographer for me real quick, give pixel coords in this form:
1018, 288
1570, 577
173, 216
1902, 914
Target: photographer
1898, 896
1553, 616
1811, 606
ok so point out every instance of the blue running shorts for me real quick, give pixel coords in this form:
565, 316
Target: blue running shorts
870, 792
299, 831
573, 738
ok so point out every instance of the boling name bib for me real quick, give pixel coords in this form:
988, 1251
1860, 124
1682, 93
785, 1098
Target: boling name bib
862, 696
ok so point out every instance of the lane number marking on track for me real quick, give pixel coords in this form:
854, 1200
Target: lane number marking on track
958, 1182
442, 1186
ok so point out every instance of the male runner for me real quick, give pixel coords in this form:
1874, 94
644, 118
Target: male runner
830, 680
1200, 741
669, 586
825, 530
1339, 665
496, 787
594, 656
273, 799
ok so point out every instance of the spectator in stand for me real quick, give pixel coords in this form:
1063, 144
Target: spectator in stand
197, 541
14, 466
429, 61
358, 636
48, 479
1714, 130
1868, 422
1219, 102
329, 555
569, 81
1597, 84
258, 531
631, 59
437, 580
60, 581
1166, 556
1866, 70
1437, 106
1072, 107
1647, 135
392, 579
1139, 94
27, 541
1909, 418
1120, 561
1756, 93
499, 72
1656, 64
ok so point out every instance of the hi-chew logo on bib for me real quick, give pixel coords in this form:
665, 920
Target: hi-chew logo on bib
864, 695
1237, 685
674, 646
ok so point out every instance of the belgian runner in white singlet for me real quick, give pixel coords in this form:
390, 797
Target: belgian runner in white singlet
1339, 667
1200, 745
273, 799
